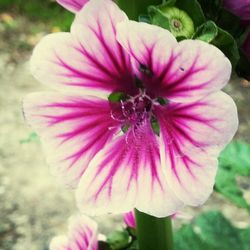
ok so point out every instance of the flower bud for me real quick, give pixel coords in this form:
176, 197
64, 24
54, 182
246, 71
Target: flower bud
180, 22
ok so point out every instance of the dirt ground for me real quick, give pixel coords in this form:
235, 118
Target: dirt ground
33, 206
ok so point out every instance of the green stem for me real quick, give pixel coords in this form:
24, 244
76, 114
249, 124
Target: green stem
134, 8
154, 233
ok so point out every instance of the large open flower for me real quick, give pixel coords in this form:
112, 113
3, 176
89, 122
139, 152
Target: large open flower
82, 235
156, 147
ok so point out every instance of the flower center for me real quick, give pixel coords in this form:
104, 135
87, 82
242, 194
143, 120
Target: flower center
137, 109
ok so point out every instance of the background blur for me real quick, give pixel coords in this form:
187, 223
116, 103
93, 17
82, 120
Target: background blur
33, 207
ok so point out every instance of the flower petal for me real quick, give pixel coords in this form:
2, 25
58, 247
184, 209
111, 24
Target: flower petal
192, 136
88, 60
82, 235
181, 72
72, 5
72, 130
127, 173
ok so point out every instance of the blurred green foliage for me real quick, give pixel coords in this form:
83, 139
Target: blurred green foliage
234, 161
39, 10
211, 231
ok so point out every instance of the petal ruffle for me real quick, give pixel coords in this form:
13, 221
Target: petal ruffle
72, 130
82, 235
127, 173
191, 137
88, 60
181, 72
72, 5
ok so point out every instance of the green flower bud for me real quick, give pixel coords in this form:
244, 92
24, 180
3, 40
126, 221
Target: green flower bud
181, 25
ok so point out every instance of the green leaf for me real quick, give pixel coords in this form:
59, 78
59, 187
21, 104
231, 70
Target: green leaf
118, 240
236, 156
207, 32
186, 239
211, 231
226, 185
158, 18
229, 22
217, 231
233, 161
227, 44
245, 238
224, 19
211, 8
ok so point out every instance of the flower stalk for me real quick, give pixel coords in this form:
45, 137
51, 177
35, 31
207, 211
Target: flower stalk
154, 233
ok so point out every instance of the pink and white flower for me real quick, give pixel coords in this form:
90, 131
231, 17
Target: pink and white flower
72, 5
175, 86
82, 235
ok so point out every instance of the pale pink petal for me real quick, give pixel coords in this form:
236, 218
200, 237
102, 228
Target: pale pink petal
192, 136
129, 219
73, 129
88, 60
82, 235
72, 5
127, 174
181, 72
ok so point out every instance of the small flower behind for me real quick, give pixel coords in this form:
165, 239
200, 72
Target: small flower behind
129, 219
72, 5
138, 120
240, 8
82, 235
